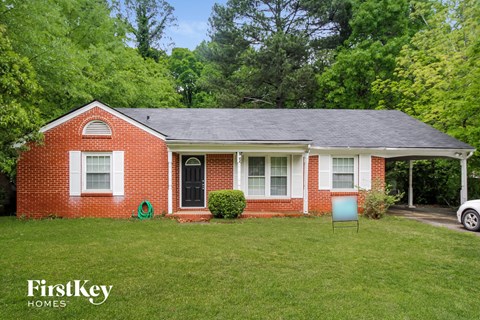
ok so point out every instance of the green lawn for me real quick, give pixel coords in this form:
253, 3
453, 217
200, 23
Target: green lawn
281, 268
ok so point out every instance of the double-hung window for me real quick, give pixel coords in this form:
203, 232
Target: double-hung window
256, 176
343, 173
268, 176
97, 172
278, 176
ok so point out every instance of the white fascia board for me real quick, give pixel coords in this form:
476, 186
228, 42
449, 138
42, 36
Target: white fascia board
105, 108
232, 148
303, 143
395, 152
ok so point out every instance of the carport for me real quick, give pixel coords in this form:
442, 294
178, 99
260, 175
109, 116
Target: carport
460, 154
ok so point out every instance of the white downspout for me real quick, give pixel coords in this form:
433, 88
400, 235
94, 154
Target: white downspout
306, 157
170, 193
410, 185
239, 170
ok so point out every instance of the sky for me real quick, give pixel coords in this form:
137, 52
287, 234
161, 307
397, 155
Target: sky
192, 22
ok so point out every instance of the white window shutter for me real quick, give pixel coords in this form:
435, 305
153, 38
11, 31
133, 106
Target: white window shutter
118, 173
75, 173
324, 172
297, 176
365, 171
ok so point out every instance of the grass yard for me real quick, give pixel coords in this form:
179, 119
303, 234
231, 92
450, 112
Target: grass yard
281, 268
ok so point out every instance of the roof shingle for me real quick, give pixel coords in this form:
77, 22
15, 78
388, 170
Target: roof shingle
323, 127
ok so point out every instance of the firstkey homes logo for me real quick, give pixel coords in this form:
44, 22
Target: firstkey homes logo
53, 295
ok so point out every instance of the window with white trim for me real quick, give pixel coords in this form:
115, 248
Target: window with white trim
268, 176
256, 176
97, 173
343, 173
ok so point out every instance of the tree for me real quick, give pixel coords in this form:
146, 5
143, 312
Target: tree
379, 29
437, 77
128, 80
147, 20
19, 119
44, 41
186, 69
79, 53
262, 51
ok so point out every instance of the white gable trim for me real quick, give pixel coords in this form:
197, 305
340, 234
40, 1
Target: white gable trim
105, 108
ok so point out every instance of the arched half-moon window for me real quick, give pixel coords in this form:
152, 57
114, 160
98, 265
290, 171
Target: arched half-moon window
193, 162
97, 128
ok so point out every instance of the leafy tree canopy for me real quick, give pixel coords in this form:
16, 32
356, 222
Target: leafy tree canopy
262, 51
380, 28
147, 20
19, 119
437, 75
186, 68
78, 52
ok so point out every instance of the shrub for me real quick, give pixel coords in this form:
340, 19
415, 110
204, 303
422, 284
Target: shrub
228, 204
378, 199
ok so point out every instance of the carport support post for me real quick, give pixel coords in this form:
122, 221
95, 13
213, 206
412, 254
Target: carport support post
463, 191
410, 185
170, 194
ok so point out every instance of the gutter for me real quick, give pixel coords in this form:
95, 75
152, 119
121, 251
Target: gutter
237, 142
392, 148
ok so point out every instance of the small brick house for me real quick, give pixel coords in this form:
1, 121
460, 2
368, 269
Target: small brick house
98, 161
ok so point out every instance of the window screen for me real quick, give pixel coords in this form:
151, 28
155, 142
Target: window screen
343, 173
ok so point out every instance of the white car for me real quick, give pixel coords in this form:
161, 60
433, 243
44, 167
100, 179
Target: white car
469, 215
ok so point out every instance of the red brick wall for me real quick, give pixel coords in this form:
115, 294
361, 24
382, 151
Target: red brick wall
43, 171
378, 169
321, 200
275, 205
219, 172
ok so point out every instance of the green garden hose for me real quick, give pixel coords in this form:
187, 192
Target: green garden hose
141, 213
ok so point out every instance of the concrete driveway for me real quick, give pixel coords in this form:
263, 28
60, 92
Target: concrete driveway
435, 216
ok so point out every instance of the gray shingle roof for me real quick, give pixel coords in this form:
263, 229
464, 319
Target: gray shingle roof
323, 127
